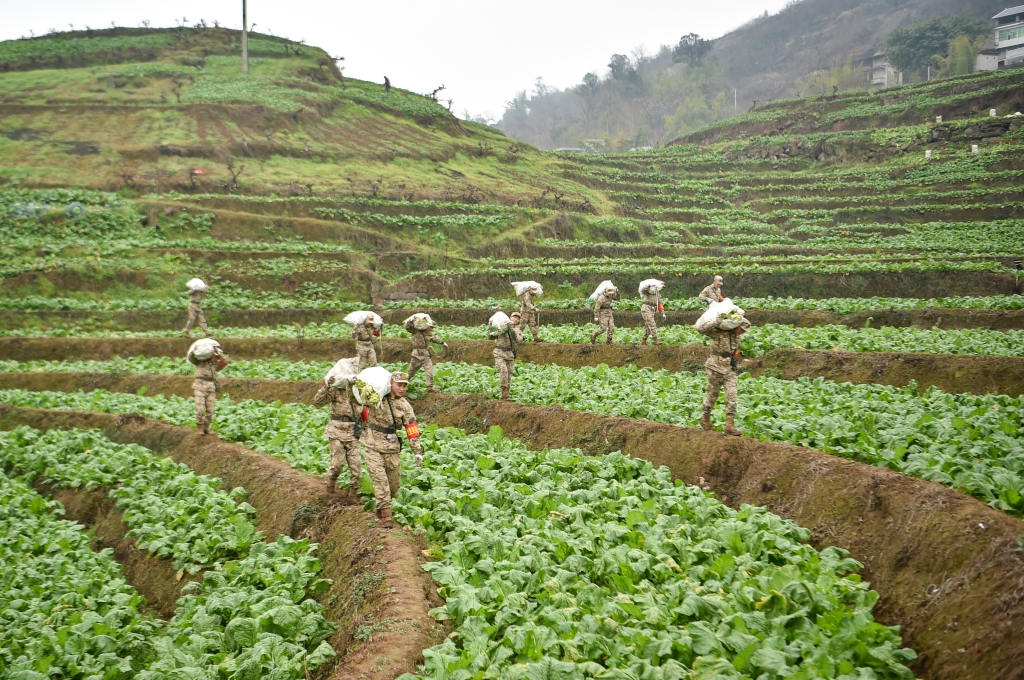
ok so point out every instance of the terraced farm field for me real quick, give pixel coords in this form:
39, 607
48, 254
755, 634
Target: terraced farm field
869, 523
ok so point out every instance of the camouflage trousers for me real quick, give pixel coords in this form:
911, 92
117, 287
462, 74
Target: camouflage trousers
421, 359
606, 324
716, 381
529, 320
206, 399
367, 354
505, 367
345, 453
195, 316
386, 473
650, 326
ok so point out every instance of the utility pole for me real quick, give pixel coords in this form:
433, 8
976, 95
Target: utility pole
245, 39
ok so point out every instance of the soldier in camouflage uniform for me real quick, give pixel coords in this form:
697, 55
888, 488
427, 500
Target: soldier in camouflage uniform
528, 315
343, 430
421, 353
720, 369
712, 293
505, 352
195, 312
651, 305
383, 445
205, 387
603, 315
364, 333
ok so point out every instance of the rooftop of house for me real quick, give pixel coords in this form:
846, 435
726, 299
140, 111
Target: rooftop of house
1019, 9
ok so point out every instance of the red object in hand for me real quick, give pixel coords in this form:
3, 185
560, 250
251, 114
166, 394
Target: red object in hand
661, 307
365, 415
222, 363
412, 430
376, 331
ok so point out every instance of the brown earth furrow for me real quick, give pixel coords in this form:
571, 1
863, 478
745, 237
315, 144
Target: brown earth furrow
949, 569
1000, 319
396, 592
954, 373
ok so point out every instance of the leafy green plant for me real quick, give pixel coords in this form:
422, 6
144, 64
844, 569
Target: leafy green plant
562, 565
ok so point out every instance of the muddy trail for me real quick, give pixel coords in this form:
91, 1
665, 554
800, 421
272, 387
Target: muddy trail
950, 372
948, 568
376, 574
253, 318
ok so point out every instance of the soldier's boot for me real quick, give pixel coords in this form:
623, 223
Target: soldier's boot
705, 421
643, 340
504, 393
657, 342
187, 335
730, 427
430, 388
350, 498
593, 338
608, 341
386, 521
378, 513
332, 484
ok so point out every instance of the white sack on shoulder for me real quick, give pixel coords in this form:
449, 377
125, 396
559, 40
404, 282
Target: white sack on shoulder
715, 310
356, 318
499, 321
523, 286
345, 368
602, 287
194, 285
202, 349
372, 385
654, 284
421, 321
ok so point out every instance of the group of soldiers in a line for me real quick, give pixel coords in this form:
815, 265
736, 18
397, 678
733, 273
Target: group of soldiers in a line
377, 427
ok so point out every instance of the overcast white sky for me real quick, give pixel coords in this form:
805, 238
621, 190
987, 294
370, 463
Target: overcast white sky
483, 52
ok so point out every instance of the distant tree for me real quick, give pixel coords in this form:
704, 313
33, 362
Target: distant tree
589, 85
962, 55
917, 45
621, 67
691, 49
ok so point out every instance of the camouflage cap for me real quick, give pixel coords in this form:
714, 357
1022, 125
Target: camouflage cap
515, 314
400, 377
718, 279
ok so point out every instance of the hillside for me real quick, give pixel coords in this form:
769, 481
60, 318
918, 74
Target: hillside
650, 99
140, 109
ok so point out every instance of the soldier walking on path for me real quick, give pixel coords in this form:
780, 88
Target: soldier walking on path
343, 431
364, 334
712, 293
421, 340
720, 369
197, 290
528, 315
505, 352
383, 445
652, 305
603, 315
205, 385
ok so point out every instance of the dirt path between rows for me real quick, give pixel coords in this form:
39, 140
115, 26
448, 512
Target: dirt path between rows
949, 569
950, 372
994, 319
378, 583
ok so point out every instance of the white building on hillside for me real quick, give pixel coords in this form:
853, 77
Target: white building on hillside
1009, 34
881, 74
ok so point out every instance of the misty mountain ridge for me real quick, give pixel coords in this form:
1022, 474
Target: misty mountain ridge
809, 48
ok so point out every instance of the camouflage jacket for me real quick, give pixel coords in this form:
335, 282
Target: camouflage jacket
652, 300
363, 333
711, 294
195, 298
528, 305
503, 340
344, 409
206, 371
723, 345
603, 304
381, 419
420, 339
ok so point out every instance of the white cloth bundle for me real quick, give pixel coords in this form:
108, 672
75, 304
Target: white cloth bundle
194, 285
716, 310
654, 284
202, 349
602, 287
523, 286
421, 321
356, 318
345, 368
499, 321
372, 385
